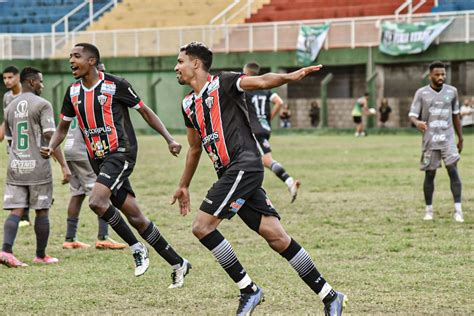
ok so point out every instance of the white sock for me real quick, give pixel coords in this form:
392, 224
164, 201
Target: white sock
136, 247
246, 281
289, 182
429, 208
457, 207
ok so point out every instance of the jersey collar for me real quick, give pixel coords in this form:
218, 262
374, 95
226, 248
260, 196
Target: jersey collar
101, 78
209, 79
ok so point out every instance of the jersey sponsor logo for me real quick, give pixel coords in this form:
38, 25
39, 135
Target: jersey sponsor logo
439, 123
211, 138
438, 138
75, 91
100, 148
97, 131
437, 111
102, 99
23, 166
22, 109
108, 88
209, 102
207, 201
236, 205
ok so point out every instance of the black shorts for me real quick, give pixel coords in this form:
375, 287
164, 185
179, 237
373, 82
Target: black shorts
357, 119
239, 192
263, 142
113, 172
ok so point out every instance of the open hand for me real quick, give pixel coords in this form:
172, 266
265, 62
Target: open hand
421, 126
303, 72
182, 195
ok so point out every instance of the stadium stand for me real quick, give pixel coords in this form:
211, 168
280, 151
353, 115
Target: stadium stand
283, 10
454, 5
36, 16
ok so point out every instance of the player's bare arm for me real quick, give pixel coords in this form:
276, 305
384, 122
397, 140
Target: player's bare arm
273, 80
277, 104
192, 160
154, 121
420, 125
58, 154
2, 132
56, 139
458, 128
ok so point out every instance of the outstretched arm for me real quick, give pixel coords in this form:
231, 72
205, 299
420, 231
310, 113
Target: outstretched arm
154, 121
273, 80
192, 161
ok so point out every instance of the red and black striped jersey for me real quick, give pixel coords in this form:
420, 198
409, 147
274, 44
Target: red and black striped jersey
102, 115
219, 114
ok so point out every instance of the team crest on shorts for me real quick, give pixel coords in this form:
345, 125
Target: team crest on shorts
102, 99
236, 205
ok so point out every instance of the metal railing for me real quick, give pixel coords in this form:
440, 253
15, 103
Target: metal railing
249, 37
408, 4
227, 15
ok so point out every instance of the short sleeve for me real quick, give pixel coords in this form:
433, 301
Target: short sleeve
187, 121
47, 118
415, 109
127, 96
67, 110
455, 102
231, 82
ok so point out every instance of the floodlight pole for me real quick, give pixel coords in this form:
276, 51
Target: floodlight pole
324, 98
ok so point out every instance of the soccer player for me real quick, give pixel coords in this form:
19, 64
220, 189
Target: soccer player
11, 79
216, 118
435, 112
360, 107
260, 116
29, 123
101, 103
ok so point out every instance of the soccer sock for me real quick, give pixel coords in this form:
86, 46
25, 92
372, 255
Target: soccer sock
225, 255
115, 220
26, 215
300, 260
456, 185
10, 228
280, 172
153, 236
42, 235
71, 231
103, 229
428, 186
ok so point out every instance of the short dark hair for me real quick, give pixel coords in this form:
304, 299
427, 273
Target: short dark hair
199, 51
253, 66
366, 94
27, 73
91, 49
437, 64
13, 69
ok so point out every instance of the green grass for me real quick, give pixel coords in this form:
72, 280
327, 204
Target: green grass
359, 215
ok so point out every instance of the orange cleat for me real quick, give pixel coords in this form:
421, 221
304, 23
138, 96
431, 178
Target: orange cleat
109, 243
46, 260
10, 260
75, 245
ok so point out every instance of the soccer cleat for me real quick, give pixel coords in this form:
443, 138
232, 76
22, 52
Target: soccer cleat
10, 260
428, 216
24, 223
109, 243
458, 217
75, 245
294, 190
141, 260
45, 260
248, 302
177, 276
335, 307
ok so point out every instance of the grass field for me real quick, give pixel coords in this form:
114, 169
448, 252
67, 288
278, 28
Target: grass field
359, 215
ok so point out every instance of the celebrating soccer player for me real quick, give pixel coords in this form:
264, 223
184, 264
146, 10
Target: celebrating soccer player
216, 118
101, 104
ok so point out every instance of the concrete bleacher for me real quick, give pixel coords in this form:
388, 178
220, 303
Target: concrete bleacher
37, 16
454, 5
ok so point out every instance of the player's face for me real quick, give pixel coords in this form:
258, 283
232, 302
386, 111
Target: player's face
10, 80
37, 84
185, 68
438, 76
81, 62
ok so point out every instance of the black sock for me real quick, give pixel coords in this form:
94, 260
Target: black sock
42, 235
115, 220
71, 231
428, 186
456, 185
280, 172
103, 229
26, 215
153, 236
225, 255
10, 229
300, 260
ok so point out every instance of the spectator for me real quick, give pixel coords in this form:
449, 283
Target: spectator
384, 111
314, 113
285, 115
467, 114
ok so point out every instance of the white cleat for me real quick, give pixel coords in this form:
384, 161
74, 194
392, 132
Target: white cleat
458, 217
428, 216
141, 260
177, 276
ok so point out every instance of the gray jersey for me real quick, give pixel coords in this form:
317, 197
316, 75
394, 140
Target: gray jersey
27, 118
8, 97
75, 147
436, 109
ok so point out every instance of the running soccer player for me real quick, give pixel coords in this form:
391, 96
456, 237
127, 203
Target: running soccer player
29, 123
260, 115
11, 79
435, 112
216, 118
101, 104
